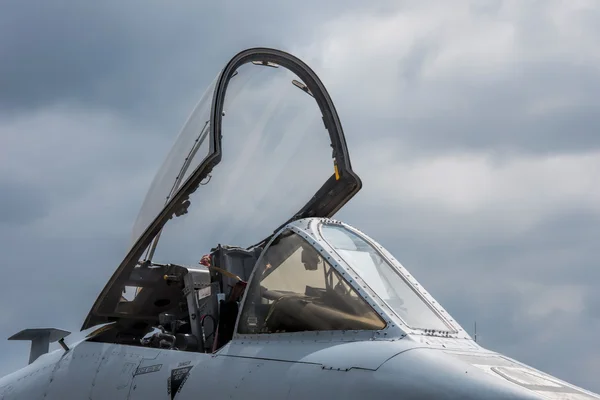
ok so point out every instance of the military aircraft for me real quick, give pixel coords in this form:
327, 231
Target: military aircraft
286, 303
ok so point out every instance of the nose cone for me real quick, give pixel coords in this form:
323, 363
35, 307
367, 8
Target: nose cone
433, 374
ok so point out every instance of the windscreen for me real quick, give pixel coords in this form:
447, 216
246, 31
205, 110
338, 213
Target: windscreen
276, 154
382, 278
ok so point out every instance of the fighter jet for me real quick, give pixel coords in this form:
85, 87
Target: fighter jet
238, 284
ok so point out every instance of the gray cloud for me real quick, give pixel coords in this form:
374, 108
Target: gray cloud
20, 203
93, 94
529, 110
593, 302
136, 57
515, 80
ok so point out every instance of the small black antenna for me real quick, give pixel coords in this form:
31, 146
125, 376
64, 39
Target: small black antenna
63, 344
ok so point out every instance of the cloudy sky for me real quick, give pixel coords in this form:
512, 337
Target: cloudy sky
473, 125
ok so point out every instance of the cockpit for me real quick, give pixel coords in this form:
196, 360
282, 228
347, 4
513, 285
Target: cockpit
234, 238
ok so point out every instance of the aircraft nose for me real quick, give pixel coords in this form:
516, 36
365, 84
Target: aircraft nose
432, 374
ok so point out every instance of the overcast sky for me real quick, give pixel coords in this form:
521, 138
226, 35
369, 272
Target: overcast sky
473, 124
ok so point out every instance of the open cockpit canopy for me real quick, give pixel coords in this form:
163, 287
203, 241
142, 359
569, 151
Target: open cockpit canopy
263, 147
